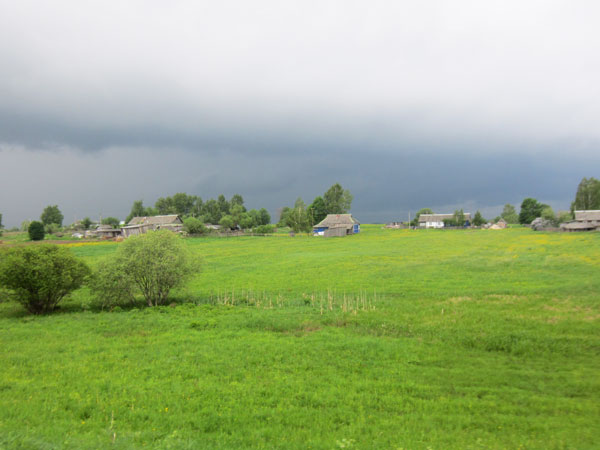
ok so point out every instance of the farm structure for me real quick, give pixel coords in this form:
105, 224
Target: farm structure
141, 225
337, 225
437, 220
107, 231
586, 220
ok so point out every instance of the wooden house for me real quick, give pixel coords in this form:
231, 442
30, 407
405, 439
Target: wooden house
337, 225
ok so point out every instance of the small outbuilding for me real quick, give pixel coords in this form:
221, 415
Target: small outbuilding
586, 220
337, 225
107, 232
141, 225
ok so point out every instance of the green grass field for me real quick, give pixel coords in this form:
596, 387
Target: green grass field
388, 339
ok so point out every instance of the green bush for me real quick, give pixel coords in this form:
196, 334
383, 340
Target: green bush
265, 229
151, 263
111, 285
191, 225
52, 228
41, 275
36, 231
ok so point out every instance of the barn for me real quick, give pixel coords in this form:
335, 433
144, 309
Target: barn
141, 225
337, 225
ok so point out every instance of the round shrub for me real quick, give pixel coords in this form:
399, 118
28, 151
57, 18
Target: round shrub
194, 226
41, 275
36, 231
151, 263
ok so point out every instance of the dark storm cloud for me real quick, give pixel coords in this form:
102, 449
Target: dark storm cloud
407, 104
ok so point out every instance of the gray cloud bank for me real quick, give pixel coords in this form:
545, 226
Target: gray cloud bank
406, 104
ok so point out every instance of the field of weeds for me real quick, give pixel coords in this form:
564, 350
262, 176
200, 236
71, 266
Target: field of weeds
386, 339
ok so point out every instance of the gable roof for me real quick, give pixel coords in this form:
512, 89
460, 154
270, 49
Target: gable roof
156, 220
337, 220
590, 214
439, 217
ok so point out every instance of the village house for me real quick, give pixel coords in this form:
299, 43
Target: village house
587, 220
337, 225
141, 225
437, 220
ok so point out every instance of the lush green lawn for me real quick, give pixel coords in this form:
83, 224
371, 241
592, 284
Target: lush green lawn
387, 339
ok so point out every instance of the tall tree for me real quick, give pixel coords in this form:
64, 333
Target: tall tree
211, 212
265, 217
478, 219
137, 210
52, 214
317, 211
337, 200
237, 199
530, 210
509, 214
588, 195
223, 204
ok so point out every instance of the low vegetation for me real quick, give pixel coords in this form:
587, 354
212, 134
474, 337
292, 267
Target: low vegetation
386, 339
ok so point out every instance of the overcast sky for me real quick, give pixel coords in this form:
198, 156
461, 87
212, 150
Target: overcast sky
437, 104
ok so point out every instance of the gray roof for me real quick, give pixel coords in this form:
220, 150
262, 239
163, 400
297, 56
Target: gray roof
579, 226
337, 220
590, 214
156, 220
440, 217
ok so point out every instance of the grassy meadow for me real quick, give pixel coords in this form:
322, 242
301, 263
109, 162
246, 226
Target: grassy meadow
411, 339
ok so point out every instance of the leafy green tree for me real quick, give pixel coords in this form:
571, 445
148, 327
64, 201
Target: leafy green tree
530, 210
227, 222
246, 221
138, 210
165, 206
297, 218
41, 275
36, 231
112, 221
478, 219
317, 210
236, 212
197, 208
1, 227
194, 226
588, 195
25, 225
86, 222
223, 204
52, 214
337, 200
509, 214
265, 217
237, 199
183, 203
155, 263
283, 216
211, 212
